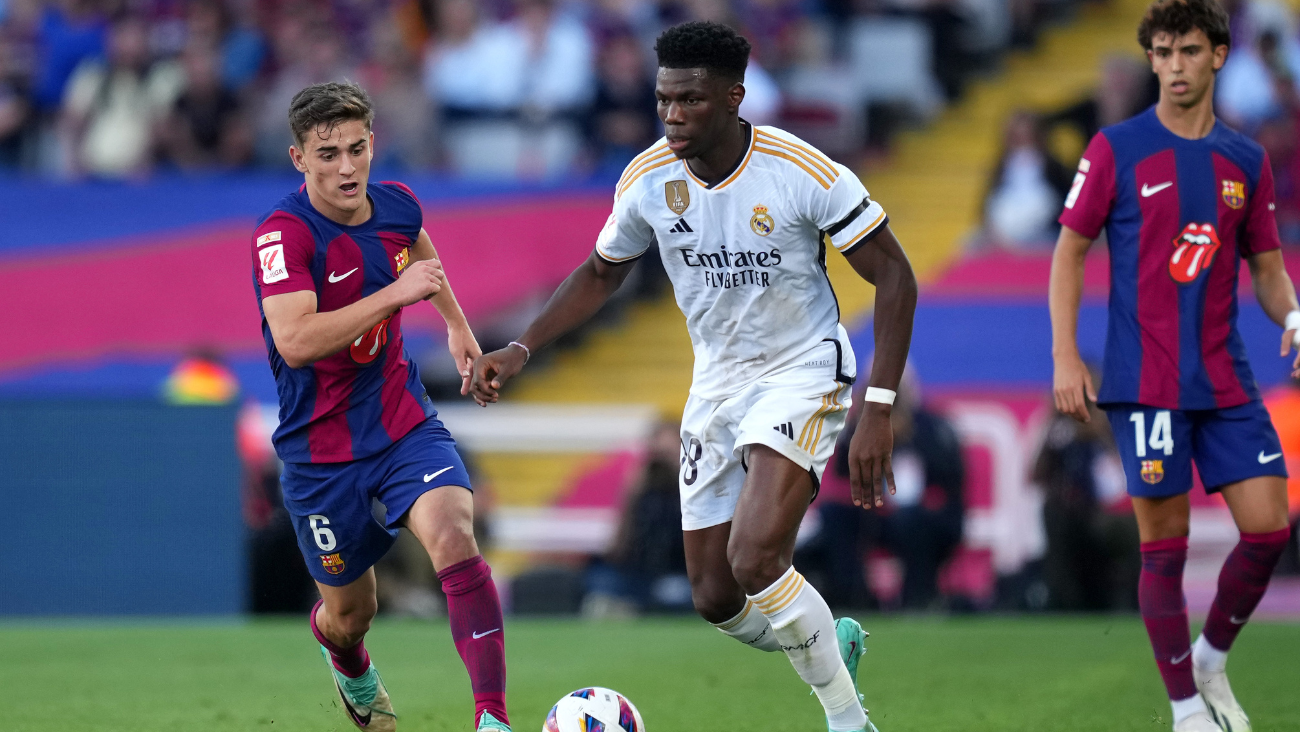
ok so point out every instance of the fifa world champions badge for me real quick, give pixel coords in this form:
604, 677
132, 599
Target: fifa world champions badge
333, 563
1153, 471
1234, 193
761, 222
678, 196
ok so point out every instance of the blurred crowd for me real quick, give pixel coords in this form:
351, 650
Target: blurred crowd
1257, 92
501, 88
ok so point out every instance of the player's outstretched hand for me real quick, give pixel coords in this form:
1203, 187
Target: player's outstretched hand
492, 371
420, 281
1072, 387
870, 453
1291, 339
464, 350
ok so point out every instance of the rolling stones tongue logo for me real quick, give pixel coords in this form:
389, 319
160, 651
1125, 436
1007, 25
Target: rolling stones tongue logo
1193, 252
366, 349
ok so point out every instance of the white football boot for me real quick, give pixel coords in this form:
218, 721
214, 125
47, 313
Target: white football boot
1223, 706
1198, 722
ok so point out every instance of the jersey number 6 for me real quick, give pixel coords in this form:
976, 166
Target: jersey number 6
323, 536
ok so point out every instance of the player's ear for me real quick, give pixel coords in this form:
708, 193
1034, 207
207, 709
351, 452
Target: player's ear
735, 95
370, 147
298, 159
1220, 57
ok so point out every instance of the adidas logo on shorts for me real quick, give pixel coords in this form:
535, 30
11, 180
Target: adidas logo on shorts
786, 429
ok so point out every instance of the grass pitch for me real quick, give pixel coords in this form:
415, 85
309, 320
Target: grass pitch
964, 675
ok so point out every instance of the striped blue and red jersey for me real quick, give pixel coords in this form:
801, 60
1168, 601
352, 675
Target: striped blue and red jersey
1178, 214
366, 397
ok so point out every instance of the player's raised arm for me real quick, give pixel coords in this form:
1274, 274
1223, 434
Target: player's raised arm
1072, 386
883, 263
578, 298
460, 337
304, 336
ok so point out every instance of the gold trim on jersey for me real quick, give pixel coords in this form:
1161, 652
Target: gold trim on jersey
645, 169
818, 161
655, 151
797, 161
864, 232
616, 260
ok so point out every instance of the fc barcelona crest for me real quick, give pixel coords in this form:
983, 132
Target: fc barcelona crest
333, 563
1153, 471
1234, 193
402, 259
678, 196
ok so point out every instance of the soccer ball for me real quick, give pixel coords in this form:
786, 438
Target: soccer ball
594, 710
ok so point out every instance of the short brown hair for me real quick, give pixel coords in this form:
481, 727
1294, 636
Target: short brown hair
327, 105
1179, 17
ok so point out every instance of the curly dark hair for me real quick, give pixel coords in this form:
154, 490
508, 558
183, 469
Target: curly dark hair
327, 105
704, 45
1177, 17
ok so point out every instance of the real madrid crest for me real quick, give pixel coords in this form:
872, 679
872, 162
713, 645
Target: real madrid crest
761, 222
1234, 193
678, 196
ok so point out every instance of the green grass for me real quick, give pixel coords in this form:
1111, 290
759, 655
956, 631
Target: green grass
964, 675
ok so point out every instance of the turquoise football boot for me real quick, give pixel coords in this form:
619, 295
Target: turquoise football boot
852, 639
365, 700
489, 723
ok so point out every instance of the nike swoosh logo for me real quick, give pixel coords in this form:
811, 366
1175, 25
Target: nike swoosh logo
1233, 619
1268, 458
1180, 659
357, 718
481, 635
431, 476
343, 276
1148, 191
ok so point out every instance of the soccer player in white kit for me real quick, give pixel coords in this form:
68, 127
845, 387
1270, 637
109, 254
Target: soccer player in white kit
743, 217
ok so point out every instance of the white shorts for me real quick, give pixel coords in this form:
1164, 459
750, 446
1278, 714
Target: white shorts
797, 410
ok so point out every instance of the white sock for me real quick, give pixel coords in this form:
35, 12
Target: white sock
1184, 708
751, 628
805, 628
1207, 657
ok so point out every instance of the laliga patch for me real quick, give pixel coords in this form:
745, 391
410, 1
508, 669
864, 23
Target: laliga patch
333, 563
273, 269
1234, 193
267, 238
1194, 251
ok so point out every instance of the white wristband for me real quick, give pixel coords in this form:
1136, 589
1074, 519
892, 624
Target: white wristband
527, 353
883, 396
1292, 321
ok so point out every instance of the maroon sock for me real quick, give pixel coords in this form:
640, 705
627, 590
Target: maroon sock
351, 662
476, 626
1164, 610
1241, 585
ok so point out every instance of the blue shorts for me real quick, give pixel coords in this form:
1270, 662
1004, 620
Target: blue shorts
341, 531
1157, 447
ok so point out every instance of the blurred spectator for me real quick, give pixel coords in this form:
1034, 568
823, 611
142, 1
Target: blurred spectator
19, 119
309, 50
202, 378
921, 523
404, 115
1027, 188
645, 568
623, 119
207, 126
1260, 74
241, 48
111, 106
1092, 559
70, 32
1127, 87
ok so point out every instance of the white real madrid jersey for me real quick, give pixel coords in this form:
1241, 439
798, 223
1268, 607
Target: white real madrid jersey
747, 256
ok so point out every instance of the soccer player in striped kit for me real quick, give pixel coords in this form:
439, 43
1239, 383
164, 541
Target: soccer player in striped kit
1182, 199
334, 265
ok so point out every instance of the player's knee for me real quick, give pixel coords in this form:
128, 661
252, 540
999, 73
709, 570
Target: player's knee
754, 567
453, 544
713, 605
